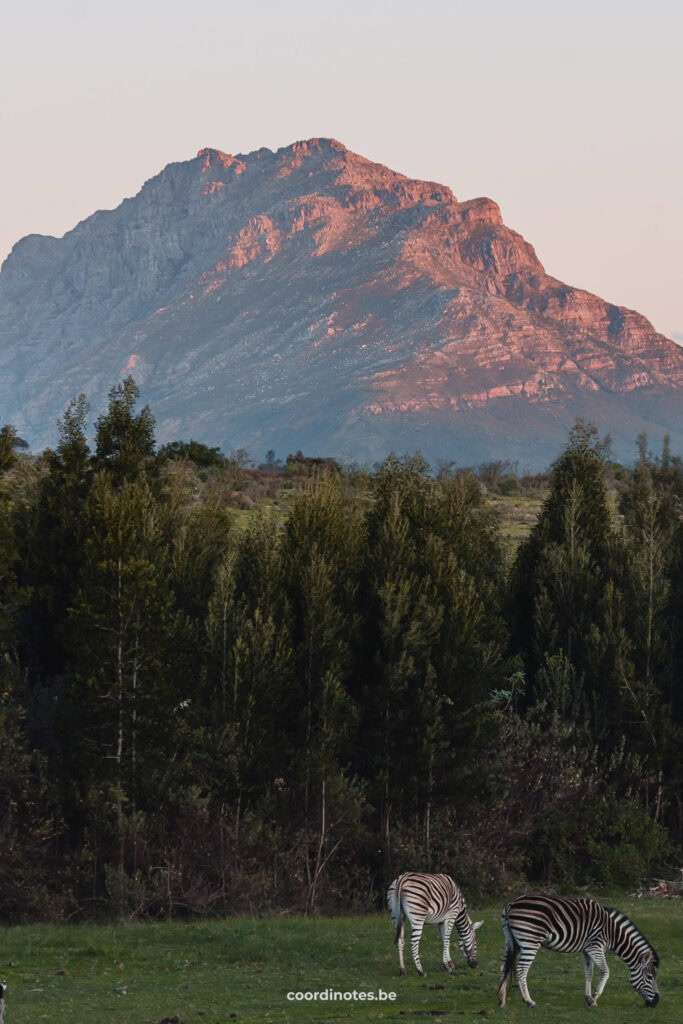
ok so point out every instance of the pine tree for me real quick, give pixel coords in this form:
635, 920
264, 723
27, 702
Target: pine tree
319, 548
122, 693
260, 678
651, 506
248, 673
566, 590
124, 440
50, 535
8, 547
7, 457
402, 622
436, 642
29, 815
8, 576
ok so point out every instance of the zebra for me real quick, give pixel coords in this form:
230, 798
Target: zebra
570, 926
3, 989
431, 899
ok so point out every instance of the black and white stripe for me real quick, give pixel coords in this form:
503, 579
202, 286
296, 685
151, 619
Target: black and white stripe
431, 899
570, 926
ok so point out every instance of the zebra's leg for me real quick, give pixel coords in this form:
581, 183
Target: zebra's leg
526, 958
439, 926
445, 930
400, 942
600, 960
588, 972
415, 936
507, 964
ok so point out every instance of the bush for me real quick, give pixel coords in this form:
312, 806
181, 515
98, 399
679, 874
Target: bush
509, 485
567, 813
625, 845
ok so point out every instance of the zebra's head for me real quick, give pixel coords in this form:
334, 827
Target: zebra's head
467, 940
631, 945
643, 978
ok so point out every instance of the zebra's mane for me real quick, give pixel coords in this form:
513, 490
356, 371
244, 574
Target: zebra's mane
624, 921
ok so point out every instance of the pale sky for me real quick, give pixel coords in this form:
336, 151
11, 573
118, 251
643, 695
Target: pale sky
569, 115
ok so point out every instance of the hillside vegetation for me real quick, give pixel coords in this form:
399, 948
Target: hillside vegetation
236, 689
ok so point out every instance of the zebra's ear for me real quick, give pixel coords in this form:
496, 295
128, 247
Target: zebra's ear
477, 924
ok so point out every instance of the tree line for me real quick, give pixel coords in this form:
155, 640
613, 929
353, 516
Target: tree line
205, 715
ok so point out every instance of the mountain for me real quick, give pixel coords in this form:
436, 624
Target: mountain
310, 299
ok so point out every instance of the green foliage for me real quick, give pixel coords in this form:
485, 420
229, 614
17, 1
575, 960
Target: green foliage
50, 540
651, 503
29, 820
125, 441
286, 708
306, 465
434, 639
624, 845
202, 455
8, 582
319, 548
8, 436
509, 485
122, 689
566, 590
571, 810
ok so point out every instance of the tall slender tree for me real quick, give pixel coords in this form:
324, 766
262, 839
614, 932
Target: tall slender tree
567, 588
7, 456
122, 690
124, 439
50, 534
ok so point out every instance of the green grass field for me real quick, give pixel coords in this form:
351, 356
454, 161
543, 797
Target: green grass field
242, 970
518, 514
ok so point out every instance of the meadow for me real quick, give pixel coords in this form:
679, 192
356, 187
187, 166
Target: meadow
242, 969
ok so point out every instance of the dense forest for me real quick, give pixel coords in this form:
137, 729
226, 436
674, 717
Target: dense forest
204, 710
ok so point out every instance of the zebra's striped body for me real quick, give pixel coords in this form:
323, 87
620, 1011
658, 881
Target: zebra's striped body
431, 899
573, 926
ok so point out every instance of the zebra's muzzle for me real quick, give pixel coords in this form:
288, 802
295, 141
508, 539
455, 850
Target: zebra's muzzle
651, 1003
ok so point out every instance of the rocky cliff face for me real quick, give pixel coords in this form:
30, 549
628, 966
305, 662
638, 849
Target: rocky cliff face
312, 299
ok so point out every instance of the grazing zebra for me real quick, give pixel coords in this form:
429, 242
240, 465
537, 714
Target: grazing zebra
571, 926
431, 899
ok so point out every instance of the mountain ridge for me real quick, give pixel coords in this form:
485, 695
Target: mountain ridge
310, 298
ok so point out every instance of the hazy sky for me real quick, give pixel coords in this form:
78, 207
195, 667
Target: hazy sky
569, 115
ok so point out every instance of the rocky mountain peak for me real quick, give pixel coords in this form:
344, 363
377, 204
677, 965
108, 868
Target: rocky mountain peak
311, 298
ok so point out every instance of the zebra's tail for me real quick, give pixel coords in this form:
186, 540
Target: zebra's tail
398, 911
511, 949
